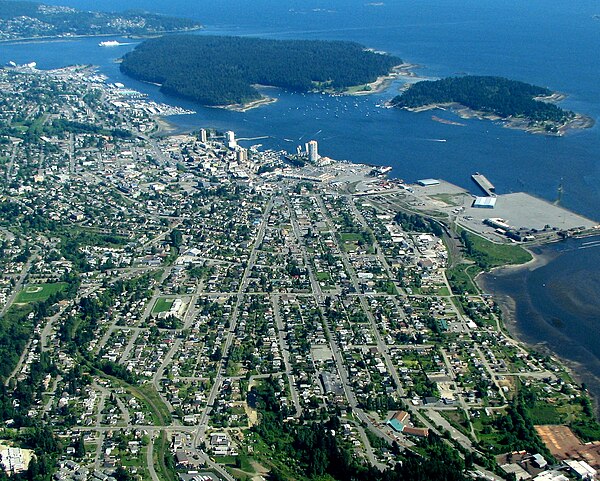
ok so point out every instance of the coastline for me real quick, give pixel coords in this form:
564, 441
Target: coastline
247, 106
510, 305
383, 82
60, 38
578, 122
164, 127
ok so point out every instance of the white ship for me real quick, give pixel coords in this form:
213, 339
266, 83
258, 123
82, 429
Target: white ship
109, 43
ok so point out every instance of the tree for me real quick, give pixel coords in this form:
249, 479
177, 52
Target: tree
176, 238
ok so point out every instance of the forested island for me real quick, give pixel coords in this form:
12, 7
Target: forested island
29, 20
523, 105
219, 71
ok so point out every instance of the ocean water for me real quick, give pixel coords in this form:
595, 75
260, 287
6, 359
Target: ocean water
550, 43
559, 313
553, 43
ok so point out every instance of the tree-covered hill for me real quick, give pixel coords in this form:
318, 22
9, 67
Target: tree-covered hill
24, 19
497, 95
222, 70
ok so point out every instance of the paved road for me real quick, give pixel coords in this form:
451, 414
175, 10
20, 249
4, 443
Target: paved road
285, 353
337, 356
202, 425
19, 284
150, 459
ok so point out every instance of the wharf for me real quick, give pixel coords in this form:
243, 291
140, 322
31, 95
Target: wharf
484, 184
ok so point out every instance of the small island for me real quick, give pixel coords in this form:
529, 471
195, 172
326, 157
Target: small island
224, 71
23, 20
520, 105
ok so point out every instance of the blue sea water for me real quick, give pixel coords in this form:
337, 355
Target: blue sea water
550, 43
553, 43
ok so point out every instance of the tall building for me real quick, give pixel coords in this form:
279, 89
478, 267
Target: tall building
203, 136
312, 149
242, 155
230, 139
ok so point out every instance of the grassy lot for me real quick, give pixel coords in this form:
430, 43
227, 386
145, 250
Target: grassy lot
148, 395
543, 413
39, 292
162, 305
460, 280
489, 255
487, 435
442, 291
450, 199
323, 276
358, 88
458, 419
350, 236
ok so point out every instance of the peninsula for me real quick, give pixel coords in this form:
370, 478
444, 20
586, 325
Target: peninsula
23, 20
519, 104
221, 71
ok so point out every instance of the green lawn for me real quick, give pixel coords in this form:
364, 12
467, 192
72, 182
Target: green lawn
162, 305
39, 292
358, 88
459, 279
543, 413
442, 291
323, 276
488, 254
351, 237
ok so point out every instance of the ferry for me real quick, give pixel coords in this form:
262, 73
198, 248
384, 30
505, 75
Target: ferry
109, 43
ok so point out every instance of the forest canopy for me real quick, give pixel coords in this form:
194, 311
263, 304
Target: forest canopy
495, 95
217, 70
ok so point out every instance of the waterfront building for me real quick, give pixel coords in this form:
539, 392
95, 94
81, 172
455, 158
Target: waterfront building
230, 139
312, 149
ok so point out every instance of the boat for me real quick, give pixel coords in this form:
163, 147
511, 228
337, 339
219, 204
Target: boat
109, 43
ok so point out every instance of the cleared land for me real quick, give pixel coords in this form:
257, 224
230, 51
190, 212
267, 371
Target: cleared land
563, 444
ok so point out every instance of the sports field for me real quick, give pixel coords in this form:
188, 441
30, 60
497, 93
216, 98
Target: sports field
162, 305
39, 292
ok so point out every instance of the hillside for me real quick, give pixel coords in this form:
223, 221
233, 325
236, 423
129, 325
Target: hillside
23, 19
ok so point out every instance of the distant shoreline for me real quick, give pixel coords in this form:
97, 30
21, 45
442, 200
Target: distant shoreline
59, 38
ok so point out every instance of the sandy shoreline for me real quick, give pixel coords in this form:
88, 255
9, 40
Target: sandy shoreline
247, 106
383, 82
164, 127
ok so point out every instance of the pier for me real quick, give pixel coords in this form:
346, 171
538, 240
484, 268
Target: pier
484, 184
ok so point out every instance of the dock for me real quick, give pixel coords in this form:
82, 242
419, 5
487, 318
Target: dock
484, 184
